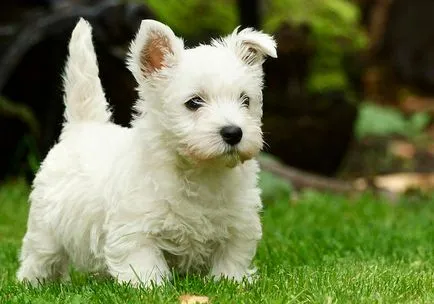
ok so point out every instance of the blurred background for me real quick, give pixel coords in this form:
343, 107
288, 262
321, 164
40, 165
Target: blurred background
348, 104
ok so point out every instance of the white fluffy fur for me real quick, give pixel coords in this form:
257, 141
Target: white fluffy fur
167, 192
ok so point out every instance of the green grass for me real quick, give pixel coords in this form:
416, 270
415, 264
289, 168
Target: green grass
320, 249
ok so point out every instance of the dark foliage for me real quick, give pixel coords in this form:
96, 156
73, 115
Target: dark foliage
407, 46
32, 60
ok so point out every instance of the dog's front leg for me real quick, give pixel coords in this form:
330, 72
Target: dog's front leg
233, 259
133, 258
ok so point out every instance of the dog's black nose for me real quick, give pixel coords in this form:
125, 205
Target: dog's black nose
231, 134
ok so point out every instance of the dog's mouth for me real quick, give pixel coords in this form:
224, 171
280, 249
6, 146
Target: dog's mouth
231, 156
234, 156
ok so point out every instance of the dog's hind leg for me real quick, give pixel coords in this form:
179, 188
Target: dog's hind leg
42, 257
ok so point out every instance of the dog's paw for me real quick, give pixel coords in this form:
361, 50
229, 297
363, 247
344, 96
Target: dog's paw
34, 282
144, 280
241, 276
29, 277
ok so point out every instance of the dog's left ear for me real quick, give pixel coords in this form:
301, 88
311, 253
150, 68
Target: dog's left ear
252, 46
154, 48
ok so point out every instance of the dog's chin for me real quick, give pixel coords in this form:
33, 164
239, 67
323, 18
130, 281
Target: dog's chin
236, 157
229, 159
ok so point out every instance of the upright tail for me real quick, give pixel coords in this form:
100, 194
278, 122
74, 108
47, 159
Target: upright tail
84, 96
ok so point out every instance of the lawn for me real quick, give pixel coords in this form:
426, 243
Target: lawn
319, 249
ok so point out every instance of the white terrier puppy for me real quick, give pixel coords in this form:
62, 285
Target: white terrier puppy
177, 190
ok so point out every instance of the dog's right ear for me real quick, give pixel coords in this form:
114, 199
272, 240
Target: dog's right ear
155, 47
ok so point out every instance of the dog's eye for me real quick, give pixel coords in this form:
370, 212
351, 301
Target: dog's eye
245, 100
194, 103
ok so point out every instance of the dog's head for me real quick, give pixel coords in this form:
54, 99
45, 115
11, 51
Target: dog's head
208, 99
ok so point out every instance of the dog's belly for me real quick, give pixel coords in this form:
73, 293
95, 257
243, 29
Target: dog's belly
185, 253
192, 258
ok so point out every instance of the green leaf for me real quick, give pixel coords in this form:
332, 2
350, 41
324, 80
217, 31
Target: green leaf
376, 120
